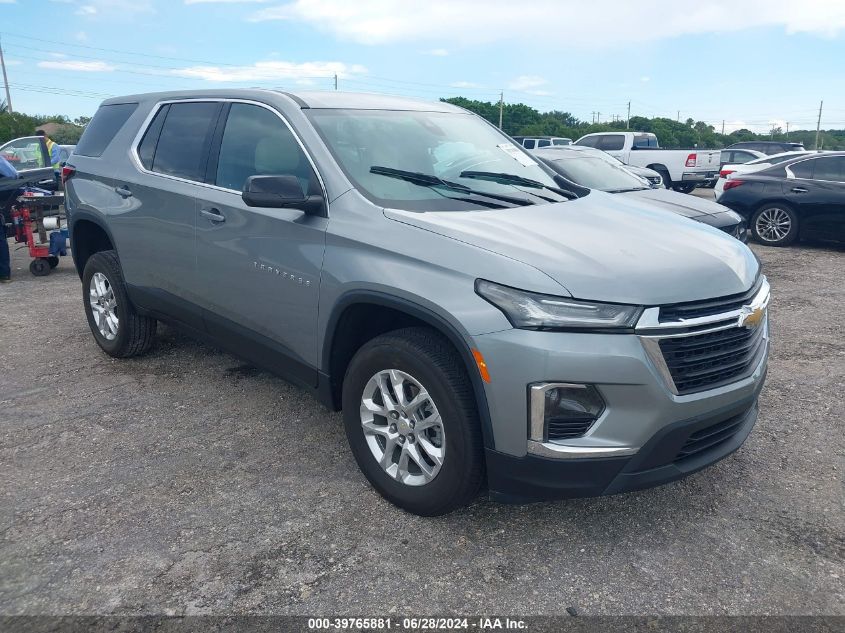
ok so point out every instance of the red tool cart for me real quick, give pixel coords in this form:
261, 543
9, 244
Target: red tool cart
33, 216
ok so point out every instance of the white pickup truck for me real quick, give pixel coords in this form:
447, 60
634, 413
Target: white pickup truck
682, 169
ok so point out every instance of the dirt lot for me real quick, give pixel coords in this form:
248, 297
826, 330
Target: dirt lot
188, 482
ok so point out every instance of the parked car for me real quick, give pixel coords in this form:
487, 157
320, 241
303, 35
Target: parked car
757, 164
472, 313
28, 155
796, 199
586, 167
532, 142
768, 147
649, 175
680, 169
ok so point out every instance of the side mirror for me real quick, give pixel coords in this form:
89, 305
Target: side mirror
280, 192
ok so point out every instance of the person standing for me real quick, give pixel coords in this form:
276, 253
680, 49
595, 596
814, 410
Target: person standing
7, 171
54, 151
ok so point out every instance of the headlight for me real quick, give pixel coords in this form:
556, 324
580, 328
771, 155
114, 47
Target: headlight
533, 311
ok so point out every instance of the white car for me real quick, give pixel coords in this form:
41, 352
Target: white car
729, 171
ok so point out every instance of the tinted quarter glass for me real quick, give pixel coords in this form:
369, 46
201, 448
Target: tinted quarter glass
146, 150
612, 142
543, 143
642, 141
803, 169
528, 143
102, 128
257, 142
829, 168
590, 141
182, 146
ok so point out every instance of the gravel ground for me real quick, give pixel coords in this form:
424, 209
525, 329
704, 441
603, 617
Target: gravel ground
186, 482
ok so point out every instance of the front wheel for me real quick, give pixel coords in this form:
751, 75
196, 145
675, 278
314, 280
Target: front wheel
411, 420
775, 225
684, 188
118, 329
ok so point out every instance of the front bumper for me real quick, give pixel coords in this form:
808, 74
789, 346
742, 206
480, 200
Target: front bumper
664, 458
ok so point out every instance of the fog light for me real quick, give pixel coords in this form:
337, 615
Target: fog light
561, 411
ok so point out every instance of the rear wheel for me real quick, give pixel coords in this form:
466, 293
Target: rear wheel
684, 187
775, 225
411, 421
118, 329
39, 267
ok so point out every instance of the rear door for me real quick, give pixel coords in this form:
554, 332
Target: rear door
258, 269
819, 187
156, 228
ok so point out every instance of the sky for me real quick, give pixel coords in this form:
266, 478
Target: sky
749, 63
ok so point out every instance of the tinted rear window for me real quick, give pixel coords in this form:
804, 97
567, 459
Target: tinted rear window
183, 144
102, 129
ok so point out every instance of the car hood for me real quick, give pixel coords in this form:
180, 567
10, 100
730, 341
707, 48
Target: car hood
681, 203
605, 247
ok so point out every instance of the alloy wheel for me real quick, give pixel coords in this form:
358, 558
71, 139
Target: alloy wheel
403, 427
773, 224
103, 306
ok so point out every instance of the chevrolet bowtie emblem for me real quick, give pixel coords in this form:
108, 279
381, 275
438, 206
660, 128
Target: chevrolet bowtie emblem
751, 317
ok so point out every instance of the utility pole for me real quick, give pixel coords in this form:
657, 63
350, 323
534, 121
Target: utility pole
501, 107
723, 127
593, 113
335, 81
628, 120
5, 80
787, 130
679, 116
818, 123
598, 118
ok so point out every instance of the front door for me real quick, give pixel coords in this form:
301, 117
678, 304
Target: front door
258, 270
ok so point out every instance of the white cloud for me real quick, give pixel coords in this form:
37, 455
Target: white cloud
436, 52
382, 21
86, 9
8, 1
645, 79
527, 82
81, 36
271, 70
78, 65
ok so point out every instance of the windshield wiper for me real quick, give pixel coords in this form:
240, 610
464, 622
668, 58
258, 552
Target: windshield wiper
430, 180
513, 179
626, 190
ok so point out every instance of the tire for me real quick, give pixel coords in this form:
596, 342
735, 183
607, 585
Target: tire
684, 188
130, 334
39, 267
774, 224
416, 358
53, 261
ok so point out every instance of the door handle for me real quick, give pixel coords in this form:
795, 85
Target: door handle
123, 191
214, 215
798, 190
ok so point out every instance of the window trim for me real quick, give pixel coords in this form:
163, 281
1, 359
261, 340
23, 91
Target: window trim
136, 159
792, 176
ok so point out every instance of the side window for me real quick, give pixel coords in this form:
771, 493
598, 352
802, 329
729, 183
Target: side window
543, 142
24, 153
590, 141
742, 157
183, 143
257, 142
528, 143
147, 148
726, 157
103, 127
804, 169
612, 142
829, 168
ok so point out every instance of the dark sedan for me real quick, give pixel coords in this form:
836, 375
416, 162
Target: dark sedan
801, 198
587, 167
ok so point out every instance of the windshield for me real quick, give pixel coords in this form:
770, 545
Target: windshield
374, 146
596, 173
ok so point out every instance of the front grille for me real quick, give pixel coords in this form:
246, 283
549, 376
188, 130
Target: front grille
710, 437
564, 429
704, 361
694, 309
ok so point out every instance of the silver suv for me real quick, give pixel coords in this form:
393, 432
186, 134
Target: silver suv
478, 319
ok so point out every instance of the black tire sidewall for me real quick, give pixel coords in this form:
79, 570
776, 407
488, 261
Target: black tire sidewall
100, 263
418, 499
793, 230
